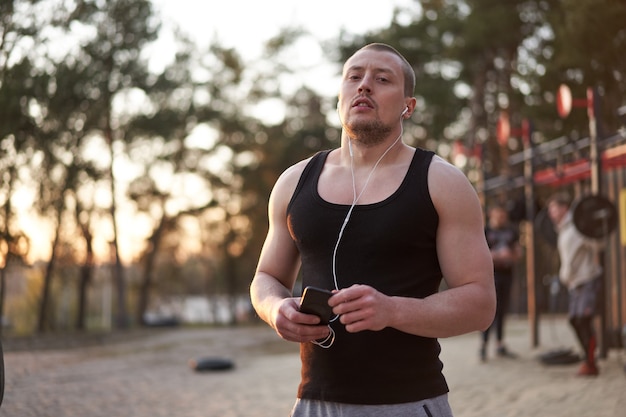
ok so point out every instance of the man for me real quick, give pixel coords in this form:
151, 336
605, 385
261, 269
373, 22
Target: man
580, 273
503, 241
379, 223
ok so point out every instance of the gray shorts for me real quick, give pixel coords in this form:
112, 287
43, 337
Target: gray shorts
433, 407
583, 300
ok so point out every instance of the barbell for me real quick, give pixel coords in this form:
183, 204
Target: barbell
594, 216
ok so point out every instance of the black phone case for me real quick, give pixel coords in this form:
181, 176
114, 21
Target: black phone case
315, 301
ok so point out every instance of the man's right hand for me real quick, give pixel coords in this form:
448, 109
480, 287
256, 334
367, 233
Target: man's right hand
294, 326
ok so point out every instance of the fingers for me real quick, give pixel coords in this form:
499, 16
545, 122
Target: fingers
352, 298
294, 326
349, 294
304, 333
359, 307
357, 318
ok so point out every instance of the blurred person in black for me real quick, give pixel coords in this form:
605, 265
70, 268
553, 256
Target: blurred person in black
503, 241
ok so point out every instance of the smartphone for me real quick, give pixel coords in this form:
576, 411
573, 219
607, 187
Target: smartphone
315, 301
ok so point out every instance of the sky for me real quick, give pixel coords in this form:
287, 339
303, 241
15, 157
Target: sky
246, 24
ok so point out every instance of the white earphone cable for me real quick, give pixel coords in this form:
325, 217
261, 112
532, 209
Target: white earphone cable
330, 339
355, 199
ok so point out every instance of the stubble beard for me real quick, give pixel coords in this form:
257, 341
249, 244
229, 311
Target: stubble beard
369, 133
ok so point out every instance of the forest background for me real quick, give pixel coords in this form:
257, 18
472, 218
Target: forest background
149, 184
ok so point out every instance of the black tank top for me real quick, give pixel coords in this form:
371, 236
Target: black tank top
391, 246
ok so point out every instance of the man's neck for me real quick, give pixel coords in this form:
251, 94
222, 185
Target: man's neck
353, 149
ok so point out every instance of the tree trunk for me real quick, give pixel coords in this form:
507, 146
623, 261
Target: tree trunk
6, 237
231, 287
121, 314
3, 274
43, 322
86, 274
146, 282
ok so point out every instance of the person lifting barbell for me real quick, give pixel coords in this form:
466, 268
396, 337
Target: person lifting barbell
579, 228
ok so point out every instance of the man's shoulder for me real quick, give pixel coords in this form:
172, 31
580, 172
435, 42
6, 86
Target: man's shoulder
289, 177
442, 170
296, 169
288, 180
451, 191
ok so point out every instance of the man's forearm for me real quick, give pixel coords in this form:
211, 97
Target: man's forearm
265, 291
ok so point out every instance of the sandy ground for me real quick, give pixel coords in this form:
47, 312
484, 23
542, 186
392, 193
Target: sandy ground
149, 376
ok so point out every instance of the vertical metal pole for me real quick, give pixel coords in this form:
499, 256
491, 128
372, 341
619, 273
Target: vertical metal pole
529, 193
596, 189
594, 154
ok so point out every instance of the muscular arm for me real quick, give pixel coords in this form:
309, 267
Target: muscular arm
277, 269
469, 302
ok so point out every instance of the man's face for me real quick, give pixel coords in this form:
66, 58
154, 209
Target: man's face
556, 212
497, 217
371, 100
